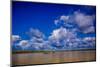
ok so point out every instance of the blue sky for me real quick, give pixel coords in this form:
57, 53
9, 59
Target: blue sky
47, 18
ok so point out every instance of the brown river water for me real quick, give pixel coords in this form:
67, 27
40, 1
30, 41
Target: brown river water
53, 57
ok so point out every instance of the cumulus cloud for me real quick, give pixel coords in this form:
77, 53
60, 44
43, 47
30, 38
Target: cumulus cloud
15, 38
61, 33
84, 22
40, 45
89, 39
24, 44
60, 39
65, 21
64, 37
35, 32
58, 33
37, 40
37, 43
89, 42
34, 44
90, 29
64, 18
56, 22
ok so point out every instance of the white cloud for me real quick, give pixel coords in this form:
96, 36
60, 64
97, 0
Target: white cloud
56, 22
59, 33
62, 37
35, 33
64, 18
90, 29
66, 39
84, 22
15, 38
62, 33
37, 40
37, 45
89, 39
24, 44
40, 44
87, 42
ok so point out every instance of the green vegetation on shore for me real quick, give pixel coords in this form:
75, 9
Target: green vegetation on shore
46, 51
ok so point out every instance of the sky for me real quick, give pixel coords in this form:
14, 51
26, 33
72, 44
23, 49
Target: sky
45, 26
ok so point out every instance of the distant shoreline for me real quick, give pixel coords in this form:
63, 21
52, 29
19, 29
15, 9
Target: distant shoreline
44, 51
